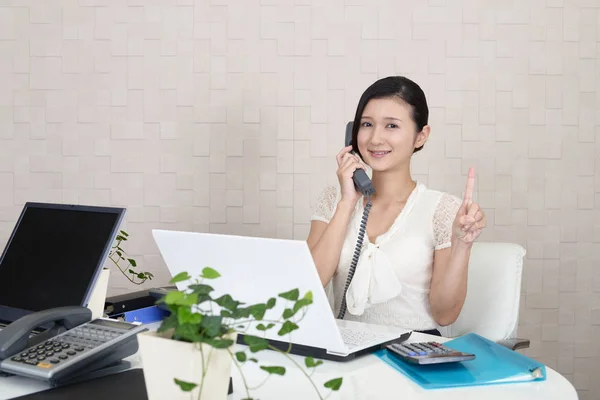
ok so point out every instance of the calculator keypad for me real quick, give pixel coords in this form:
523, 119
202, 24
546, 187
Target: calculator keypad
427, 353
420, 349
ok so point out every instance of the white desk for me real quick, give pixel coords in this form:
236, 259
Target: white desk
364, 379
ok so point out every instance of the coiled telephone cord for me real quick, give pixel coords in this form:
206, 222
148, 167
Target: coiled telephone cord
357, 248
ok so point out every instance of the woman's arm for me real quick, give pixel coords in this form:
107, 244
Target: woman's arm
325, 241
449, 282
450, 265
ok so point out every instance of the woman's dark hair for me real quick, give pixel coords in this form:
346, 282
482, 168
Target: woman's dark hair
394, 86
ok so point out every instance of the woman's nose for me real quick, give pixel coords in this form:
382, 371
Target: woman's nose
376, 136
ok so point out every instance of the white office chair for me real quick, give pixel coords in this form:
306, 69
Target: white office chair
491, 307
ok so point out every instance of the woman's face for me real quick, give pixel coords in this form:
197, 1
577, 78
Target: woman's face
387, 134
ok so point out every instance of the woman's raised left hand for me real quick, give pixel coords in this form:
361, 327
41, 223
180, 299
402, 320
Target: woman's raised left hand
470, 218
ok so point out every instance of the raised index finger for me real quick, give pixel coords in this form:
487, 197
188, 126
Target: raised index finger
470, 186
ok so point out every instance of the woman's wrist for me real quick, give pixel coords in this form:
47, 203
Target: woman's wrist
346, 206
460, 245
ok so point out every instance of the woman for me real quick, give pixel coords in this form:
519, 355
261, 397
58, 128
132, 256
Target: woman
412, 270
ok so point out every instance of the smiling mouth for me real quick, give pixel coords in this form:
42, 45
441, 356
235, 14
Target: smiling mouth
378, 154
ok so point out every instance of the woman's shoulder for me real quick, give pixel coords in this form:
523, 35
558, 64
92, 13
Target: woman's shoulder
326, 203
443, 208
441, 200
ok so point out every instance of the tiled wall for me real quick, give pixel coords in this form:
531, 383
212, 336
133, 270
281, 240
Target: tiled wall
225, 116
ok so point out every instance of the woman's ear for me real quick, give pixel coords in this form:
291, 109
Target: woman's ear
422, 136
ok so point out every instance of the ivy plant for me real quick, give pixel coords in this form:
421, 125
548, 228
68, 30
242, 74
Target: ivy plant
194, 318
125, 263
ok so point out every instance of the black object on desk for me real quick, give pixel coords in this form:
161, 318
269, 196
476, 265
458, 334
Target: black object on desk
117, 305
34, 276
128, 385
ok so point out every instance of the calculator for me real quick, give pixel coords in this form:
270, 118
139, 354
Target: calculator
85, 348
427, 353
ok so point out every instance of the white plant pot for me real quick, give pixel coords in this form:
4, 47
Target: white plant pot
98, 297
164, 359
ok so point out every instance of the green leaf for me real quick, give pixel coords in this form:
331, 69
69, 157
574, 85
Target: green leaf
242, 312
122, 232
174, 297
141, 275
291, 295
181, 298
301, 303
119, 253
185, 386
287, 327
311, 363
132, 272
211, 325
262, 327
168, 323
209, 273
187, 333
226, 301
186, 316
219, 343
132, 262
121, 238
180, 277
271, 303
255, 343
288, 313
273, 370
254, 360
201, 289
241, 356
333, 384
258, 311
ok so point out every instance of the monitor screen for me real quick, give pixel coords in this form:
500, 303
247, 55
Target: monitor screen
54, 255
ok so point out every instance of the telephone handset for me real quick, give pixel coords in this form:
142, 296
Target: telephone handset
364, 185
76, 348
18, 335
361, 181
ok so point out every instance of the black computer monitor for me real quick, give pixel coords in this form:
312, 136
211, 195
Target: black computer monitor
54, 256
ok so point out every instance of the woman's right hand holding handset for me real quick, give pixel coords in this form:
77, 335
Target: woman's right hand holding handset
347, 164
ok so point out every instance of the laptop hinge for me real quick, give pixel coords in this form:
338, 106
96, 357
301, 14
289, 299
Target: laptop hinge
335, 353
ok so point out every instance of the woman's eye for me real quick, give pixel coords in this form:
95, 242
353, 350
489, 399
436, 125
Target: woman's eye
392, 126
365, 124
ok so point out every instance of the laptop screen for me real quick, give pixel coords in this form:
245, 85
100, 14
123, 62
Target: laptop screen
54, 255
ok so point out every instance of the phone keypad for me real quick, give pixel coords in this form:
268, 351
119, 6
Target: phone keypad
66, 346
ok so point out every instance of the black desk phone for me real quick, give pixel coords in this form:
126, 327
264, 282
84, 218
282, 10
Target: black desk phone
363, 184
74, 347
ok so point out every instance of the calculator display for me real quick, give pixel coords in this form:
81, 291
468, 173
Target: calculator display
115, 325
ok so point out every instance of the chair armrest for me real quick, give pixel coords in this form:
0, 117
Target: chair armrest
514, 343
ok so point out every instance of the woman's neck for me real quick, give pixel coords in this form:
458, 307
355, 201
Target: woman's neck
393, 186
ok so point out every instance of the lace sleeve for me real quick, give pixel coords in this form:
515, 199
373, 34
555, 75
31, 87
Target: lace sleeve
443, 218
326, 204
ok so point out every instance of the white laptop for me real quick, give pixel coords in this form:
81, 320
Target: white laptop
253, 270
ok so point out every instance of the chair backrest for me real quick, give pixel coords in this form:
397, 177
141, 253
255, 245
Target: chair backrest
491, 307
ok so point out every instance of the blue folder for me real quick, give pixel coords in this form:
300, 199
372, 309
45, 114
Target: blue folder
493, 364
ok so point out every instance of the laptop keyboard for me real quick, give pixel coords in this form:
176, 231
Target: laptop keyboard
358, 338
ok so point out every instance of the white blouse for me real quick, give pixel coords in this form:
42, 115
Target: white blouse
391, 281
